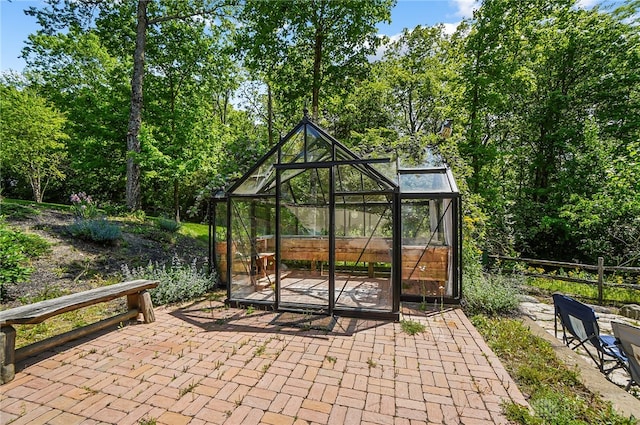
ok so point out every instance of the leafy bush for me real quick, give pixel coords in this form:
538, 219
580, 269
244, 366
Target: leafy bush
83, 206
178, 282
16, 251
99, 230
490, 294
168, 225
138, 216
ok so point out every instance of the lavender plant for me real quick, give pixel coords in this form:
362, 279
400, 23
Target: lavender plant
178, 281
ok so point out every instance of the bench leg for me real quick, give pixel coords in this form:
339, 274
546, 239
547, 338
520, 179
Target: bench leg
7, 353
146, 306
142, 302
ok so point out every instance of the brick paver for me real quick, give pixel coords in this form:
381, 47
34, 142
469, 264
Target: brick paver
198, 365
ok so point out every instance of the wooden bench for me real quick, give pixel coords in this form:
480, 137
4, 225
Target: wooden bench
138, 302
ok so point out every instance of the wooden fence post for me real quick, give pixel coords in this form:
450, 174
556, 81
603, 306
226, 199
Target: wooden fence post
600, 279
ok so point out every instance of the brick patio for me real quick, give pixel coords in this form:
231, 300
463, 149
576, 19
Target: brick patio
205, 364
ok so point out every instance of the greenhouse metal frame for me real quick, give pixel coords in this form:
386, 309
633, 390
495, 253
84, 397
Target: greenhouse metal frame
314, 228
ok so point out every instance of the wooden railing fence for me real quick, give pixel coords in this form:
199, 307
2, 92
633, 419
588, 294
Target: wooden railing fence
600, 269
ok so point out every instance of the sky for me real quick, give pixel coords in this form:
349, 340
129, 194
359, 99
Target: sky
15, 26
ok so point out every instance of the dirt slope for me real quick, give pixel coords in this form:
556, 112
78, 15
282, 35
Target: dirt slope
74, 265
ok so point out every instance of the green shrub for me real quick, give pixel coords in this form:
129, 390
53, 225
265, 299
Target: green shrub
137, 216
16, 251
99, 230
178, 282
490, 294
168, 225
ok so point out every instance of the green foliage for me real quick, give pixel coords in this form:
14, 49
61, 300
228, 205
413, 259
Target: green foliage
556, 395
32, 138
490, 294
178, 281
549, 114
96, 230
16, 251
168, 225
138, 216
311, 49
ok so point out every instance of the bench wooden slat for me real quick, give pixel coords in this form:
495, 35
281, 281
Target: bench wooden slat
40, 311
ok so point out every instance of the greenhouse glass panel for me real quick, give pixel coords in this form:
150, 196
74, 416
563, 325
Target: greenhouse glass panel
293, 149
364, 253
350, 178
424, 182
252, 250
256, 181
318, 149
304, 241
427, 240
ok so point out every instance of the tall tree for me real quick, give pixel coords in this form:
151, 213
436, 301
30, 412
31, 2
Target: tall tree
538, 75
190, 84
32, 138
311, 47
64, 14
420, 77
77, 72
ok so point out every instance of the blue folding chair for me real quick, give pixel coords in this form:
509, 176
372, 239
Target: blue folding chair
580, 328
628, 339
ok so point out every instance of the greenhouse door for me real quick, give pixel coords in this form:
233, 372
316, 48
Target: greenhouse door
304, 281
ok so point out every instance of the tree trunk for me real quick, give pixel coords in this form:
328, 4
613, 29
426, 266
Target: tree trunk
317, 62
135, 113
176, 199
270, 114
36, 188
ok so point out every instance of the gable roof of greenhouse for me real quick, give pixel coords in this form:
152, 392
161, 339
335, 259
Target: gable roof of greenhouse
309, 146
306, 146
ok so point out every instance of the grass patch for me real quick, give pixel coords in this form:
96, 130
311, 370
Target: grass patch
411, 327
557, 397
35, 206
17, 211
28, 334
200, 232
610, 294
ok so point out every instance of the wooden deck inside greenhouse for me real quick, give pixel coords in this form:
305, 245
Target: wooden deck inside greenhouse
298, 289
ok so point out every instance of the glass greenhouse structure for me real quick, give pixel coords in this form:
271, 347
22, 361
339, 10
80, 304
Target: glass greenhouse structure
312, 227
